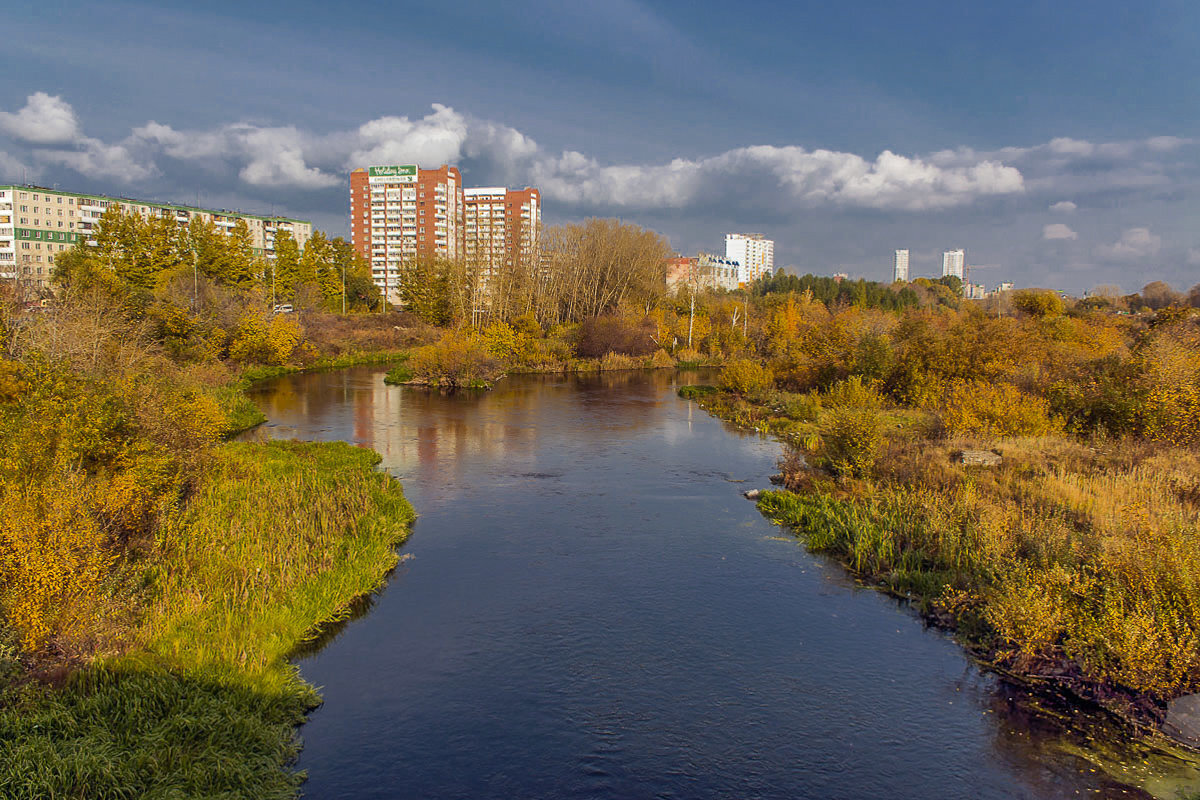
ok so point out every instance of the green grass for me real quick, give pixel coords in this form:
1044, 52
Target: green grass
696, 392
398, 375
280, 539
239, 409
261, 373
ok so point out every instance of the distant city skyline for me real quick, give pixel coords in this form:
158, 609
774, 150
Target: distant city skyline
1063, 144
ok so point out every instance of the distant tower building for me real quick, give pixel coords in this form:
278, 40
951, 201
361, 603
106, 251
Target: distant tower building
754, 252
954, 263
900, 266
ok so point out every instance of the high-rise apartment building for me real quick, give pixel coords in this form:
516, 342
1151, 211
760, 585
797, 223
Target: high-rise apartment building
399, 212
954, 263
36, 224
500, 226
900, 266
754, 252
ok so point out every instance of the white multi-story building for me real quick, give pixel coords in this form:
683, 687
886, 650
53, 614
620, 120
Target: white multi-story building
954, 262
36, 224
900, 266
754, 252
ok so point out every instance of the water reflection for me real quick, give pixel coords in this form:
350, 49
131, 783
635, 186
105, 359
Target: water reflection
591, 610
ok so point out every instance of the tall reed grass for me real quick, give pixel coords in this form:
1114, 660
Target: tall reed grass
280, 539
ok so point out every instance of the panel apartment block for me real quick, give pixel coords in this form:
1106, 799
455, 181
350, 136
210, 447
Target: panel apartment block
36, 224
399, 212
754, 252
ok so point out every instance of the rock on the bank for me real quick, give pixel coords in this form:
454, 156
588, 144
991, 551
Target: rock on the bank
751, 494
978, 458
1183, 720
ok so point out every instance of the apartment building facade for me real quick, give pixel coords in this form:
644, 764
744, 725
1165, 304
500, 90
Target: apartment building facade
400, 212
37, 224
954, 262
705, 271
501, 226
754, 252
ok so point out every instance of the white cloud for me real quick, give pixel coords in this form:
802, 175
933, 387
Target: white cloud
1071, 147
1134, 244
812, 178
43, 120
281, 157
276, 158
95, 159
764, 176
437, 138
1058, 231
1166, 144
1193, 257
183, 145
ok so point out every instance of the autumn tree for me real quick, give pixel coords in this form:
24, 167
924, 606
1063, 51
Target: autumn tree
286, 266
1159, 294
426, 289
1039, 303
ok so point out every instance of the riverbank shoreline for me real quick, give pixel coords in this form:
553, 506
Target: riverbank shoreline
814, 502
206, 675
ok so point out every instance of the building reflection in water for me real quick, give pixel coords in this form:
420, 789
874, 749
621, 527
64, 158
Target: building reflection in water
442, 433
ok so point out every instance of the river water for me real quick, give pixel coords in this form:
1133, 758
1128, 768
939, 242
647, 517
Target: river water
588, 608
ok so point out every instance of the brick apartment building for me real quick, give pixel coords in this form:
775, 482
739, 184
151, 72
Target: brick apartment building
401, 211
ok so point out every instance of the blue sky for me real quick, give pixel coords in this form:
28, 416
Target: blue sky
1057, 142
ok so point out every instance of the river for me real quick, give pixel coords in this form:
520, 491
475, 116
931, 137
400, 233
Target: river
588, 608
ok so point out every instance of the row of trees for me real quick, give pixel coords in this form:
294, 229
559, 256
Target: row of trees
141, 254
583, 270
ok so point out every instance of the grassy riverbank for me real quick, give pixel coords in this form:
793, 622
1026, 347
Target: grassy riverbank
1071, 565
280, 538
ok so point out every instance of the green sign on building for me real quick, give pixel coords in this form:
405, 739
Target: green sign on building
393, 171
